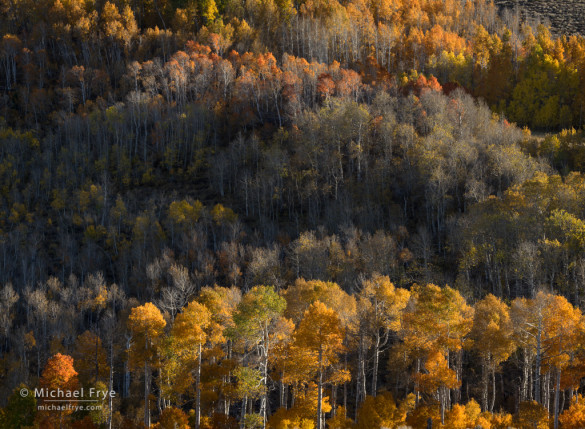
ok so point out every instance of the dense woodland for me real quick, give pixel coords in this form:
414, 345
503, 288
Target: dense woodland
308, 214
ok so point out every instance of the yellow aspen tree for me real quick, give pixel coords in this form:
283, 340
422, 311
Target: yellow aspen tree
256, 318
320, 332
384, 307
189, 333
436, 320
562, 327
146, 324
493, 339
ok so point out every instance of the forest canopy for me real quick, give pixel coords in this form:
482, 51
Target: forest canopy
355, 214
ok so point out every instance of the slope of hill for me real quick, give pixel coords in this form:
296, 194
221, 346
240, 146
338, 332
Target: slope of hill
247, 214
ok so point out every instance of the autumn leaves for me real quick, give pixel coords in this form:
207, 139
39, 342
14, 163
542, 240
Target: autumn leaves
313, 356
146, 324
298, 341
257, 329
312, 339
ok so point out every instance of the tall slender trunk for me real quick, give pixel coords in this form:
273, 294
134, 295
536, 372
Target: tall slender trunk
198, 391
442, 401
447, 390
146, 385
416, 388
493, 402
459, 373
126, 385
110, 399
484, 385
557, 390
281, 392
345, 388
375, 364
320, 392
227, 402
537, 388
243, 417
360, 381
146, 394
525, 377
264, 403
546, 394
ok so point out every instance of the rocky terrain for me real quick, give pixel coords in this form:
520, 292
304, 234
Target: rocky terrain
564, 16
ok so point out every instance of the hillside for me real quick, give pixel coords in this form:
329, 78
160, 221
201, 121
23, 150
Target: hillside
288, 214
